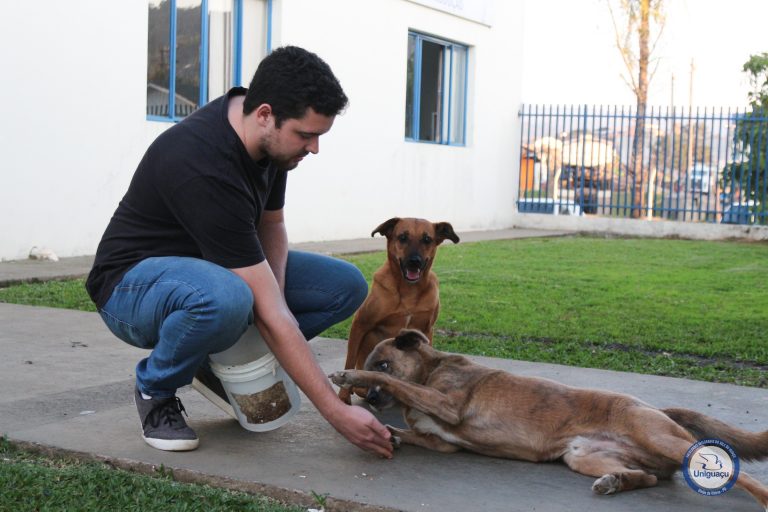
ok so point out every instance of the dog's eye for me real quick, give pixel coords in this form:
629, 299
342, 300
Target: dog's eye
427, 239
402, 237
383, 365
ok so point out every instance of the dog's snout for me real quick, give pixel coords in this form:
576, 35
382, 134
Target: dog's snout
415, 260
412, 267
373, 396
379, 399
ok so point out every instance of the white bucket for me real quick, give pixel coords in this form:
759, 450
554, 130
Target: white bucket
263, 396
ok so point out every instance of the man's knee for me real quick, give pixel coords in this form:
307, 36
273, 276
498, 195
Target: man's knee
356, 286
231, 304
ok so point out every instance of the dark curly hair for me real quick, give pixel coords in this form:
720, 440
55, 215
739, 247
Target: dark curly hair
290, 79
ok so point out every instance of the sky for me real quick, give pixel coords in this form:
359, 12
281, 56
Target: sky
570, 54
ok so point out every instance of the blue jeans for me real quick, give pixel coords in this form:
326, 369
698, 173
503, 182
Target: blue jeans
186, 308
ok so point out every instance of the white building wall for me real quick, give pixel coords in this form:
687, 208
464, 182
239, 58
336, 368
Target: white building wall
366, 172
73, 123
74, 128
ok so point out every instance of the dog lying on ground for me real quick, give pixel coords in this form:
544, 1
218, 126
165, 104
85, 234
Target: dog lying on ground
404, 292
451, 403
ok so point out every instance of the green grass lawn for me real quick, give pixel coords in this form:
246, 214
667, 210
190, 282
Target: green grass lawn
667, 307
32, 482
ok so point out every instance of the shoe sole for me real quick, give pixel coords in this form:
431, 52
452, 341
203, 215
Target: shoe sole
213, 398
172, 445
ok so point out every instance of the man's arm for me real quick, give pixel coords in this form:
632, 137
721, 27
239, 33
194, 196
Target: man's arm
274, 243
276, 323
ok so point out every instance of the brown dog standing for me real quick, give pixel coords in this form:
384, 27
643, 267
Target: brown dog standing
404, 293
451, 403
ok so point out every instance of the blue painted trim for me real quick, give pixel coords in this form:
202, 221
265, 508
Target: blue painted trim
172, 62
449, 95
269, 27
204, 51
435, 143
416, 126
411, 36
165, 119
237, 54
466, 95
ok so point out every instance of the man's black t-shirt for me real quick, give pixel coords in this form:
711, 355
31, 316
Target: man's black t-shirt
195, 193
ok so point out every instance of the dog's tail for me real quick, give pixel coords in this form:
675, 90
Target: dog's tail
748, 445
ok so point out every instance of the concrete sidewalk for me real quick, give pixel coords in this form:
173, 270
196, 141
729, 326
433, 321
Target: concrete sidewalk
67, 383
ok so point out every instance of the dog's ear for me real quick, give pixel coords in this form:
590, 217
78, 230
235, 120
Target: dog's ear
409, 339
443, 231
387, 227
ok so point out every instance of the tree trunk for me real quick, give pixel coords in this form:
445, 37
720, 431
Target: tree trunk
638, 165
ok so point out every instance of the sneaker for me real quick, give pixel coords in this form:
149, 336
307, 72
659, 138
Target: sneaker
209, 385
163, 426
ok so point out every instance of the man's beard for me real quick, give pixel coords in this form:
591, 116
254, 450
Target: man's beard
284, 165
281, 162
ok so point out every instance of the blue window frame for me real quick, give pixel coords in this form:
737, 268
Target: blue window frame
436, 90
195, 52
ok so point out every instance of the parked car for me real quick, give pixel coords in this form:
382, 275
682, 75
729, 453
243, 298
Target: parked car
700, 178
548, 205
739, 213
589, 177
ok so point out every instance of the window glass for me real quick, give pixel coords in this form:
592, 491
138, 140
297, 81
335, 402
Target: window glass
431, 91
194, 57
458, 94
409, 92
158, 57
220, 47
255, 37
187, 56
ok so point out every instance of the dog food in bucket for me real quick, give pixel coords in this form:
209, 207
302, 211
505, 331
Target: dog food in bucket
262, 395
264, 406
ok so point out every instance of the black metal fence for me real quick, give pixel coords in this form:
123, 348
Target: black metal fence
705, 165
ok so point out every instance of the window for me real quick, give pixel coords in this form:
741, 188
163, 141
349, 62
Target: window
195, 51
435, 99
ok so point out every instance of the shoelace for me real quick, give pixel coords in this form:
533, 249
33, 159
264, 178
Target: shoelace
168, 411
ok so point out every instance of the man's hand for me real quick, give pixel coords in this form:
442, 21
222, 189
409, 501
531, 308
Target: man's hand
362, 429
278, 326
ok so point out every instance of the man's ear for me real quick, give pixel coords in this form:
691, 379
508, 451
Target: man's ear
263, 112
443, 231
409, 339
386, 228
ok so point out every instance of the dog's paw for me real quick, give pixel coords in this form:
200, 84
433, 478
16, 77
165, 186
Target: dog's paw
607, 484
343, 379
345, 396
396, 440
